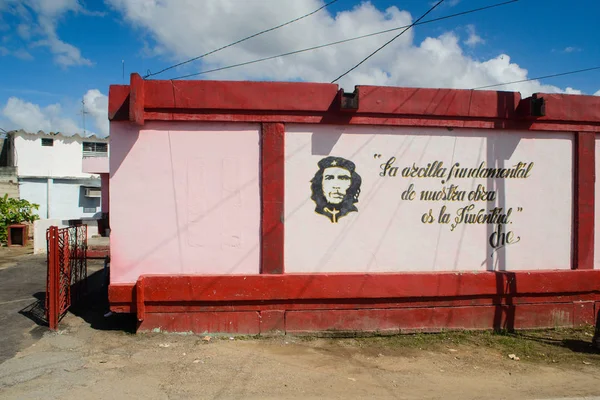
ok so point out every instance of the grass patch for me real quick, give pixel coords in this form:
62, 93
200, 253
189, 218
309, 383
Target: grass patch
550, 346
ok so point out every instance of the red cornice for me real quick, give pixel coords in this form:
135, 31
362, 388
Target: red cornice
223, 101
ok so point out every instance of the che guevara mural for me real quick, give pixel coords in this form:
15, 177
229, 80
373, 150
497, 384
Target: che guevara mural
335, 188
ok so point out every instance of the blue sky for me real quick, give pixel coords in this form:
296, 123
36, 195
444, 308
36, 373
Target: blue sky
55, 52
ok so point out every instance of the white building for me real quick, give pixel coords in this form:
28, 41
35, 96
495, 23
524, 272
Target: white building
49, 168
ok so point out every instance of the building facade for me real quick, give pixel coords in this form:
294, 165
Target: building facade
50, 173
296, 207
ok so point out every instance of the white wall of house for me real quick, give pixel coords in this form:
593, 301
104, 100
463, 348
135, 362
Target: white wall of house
68, 199
50, 173
63, 159
41, 226
35, 192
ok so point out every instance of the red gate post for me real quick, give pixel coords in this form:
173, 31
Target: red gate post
53, 278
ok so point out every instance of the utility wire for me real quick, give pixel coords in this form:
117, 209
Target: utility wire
539, 77
149, 74
347, 40
388, 42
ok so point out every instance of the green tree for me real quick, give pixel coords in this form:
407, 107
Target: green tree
15, 211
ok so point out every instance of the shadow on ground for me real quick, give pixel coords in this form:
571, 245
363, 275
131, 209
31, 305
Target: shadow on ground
582, 346
90, 303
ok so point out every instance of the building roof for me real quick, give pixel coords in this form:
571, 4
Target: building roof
58, 135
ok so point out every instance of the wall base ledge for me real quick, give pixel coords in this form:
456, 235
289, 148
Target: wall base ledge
376, 303
370, 322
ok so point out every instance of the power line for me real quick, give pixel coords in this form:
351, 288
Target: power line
241, 40
388, 42
539, 77
347, 40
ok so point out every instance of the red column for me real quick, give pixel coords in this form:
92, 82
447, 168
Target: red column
272, 196
104, 180
52, 290
584, 196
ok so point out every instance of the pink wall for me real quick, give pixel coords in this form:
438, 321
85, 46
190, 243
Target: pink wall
387, 233
95, 165
185, 199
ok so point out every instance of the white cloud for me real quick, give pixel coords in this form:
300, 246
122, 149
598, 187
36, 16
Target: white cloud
474, 39
597, 93
32, 118
188, 28
570, 90
24, 31
20, 53
96, 104
571, 49
38, 25
23, 54
21, 114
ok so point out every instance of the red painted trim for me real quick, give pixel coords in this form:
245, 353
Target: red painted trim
584, 200
272, 187
97, 253
52, 290
394, 321
118, 102
137, 100
319, 103
356, 304
383, 321
335, 119
576, 108
584, 313
298, 287
437, 102
272, 321
241, 95
140, 299
246, 323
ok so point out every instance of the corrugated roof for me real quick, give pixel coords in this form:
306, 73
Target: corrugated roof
58, 134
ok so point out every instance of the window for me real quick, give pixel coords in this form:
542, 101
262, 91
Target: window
92, 192
47, 142
89, 210
94, 149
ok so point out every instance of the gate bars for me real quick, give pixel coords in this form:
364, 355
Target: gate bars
66, 271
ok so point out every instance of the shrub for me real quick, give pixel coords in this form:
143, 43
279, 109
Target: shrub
15, 211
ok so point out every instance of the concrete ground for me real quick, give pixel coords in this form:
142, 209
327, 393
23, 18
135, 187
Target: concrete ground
22, 284
94, 357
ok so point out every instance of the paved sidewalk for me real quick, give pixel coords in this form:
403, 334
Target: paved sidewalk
22, 284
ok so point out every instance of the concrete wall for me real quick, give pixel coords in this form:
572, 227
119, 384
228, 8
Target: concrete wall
393, 229
36, 191
63, 159
67, 197
9, 182
41, 226
195, 186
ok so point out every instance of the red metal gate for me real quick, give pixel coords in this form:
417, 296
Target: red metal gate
66, 271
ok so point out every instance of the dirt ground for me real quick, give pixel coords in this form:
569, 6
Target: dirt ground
94, 356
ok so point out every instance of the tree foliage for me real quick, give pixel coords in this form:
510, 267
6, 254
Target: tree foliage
15, 211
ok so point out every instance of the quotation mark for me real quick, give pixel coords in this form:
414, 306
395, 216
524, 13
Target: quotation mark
376, 155
519, 209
